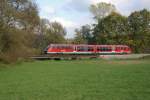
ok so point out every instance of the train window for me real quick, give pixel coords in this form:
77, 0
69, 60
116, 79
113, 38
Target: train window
63, 47
104, 49
101, 48
98, 48
80, 48
54, 47
109, 49
69, 47
66, 47
117, 48
90, 49
125, 48
59, 47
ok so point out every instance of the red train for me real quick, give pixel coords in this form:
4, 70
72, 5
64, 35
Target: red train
87, 49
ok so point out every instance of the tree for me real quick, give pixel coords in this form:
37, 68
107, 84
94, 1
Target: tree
57, 28
86, 32
101, 10
55, 33
79, 39
49, 32
112, 29
40, 41
139, 23
22, 32
18, 20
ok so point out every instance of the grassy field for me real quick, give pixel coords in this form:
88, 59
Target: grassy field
76, 80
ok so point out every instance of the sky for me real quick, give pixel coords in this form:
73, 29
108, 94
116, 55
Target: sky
73, 14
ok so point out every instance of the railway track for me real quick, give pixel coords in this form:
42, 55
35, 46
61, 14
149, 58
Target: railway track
71, 56
64, 56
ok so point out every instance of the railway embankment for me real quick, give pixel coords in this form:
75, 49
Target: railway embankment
129, 56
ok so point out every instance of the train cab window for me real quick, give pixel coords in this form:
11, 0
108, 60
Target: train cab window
45, 50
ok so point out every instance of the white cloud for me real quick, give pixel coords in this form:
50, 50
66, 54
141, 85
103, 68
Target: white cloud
64, 22
111, 1
48, 9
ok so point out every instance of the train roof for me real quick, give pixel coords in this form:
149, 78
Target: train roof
83, 45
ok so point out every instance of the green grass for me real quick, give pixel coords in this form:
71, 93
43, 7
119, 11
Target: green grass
76, 80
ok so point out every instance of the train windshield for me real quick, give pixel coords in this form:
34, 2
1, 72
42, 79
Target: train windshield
46, 49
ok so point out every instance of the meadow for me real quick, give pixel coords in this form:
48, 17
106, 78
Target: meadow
76, 80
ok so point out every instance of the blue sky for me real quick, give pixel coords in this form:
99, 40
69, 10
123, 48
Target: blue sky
75, 13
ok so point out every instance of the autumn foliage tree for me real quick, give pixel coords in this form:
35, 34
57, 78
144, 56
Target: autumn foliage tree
18, 19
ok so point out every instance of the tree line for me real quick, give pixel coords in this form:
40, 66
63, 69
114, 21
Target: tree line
113, 28
23, 33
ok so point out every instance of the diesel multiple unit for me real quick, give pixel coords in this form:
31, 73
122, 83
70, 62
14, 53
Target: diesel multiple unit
87, 49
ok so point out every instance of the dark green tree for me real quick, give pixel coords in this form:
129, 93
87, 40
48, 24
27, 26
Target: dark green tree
139, 23
112, 29
84, 34
79, 39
